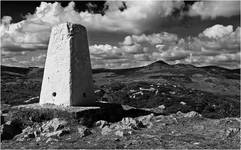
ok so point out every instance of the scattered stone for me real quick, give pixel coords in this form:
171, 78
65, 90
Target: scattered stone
160, 109
54, 125
58, 133
51, 140
101, 123
99, 92
38, 139
106, 130
124, 132
166, 120
162, 106
129, 123
83, 131
172, 92
231, 132
196, 143
150, 89
146, 120
192, 114
32, 100
28, 132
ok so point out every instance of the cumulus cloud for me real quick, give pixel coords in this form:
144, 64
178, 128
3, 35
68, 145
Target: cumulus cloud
217, 45
218, 31
213, 9
33, 32
220, 48
219, 37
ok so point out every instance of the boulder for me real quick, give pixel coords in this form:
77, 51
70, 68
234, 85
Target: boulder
192, 114
106, 130
124, 132
58, 133
29, 132
54, 125
146, 120
129, 123
232, 131
101, 123
83, 131
49, 140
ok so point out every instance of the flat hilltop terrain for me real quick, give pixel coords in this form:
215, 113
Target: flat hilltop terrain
157, 106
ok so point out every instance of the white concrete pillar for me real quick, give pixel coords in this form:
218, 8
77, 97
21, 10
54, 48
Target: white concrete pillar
67, 76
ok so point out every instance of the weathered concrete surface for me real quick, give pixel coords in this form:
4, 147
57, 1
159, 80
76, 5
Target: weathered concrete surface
85, 115
67, 76
69, 109
49, 111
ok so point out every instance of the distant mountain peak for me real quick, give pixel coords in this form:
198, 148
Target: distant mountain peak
159, 62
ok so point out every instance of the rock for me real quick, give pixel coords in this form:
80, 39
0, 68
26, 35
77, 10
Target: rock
192, 114
160, 109
129, 123
231, 132
119, 133
183, 103
51, 140
10, 129
166, 120
106, 130
54, 125
28, 132
99, 92
124, 132
179, 114
32, 100
101, 123
162, 106
57, 133
172, 92
38, 139
83, 131
146, 120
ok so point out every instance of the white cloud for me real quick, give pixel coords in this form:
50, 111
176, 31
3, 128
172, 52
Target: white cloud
213, 9
218, 31
216, 44
33, 32
220, 38
210, 47
155, 38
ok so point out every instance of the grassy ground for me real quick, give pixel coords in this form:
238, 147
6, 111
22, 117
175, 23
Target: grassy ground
212, 92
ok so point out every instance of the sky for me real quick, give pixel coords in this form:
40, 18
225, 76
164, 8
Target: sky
125, 34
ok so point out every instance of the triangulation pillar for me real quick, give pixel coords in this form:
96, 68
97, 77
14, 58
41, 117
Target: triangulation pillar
67, 76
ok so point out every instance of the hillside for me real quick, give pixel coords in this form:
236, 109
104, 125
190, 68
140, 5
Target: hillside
175, 99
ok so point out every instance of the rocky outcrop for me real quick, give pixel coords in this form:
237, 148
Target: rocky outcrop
83, 131
54, 125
